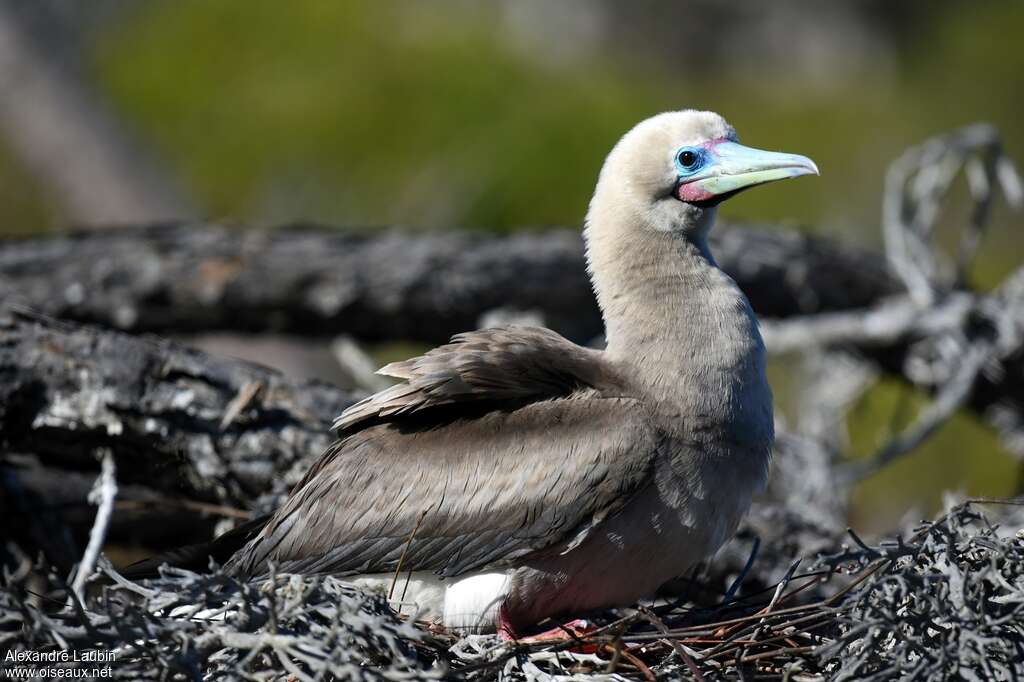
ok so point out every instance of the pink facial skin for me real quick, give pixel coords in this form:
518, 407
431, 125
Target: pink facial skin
693, 192
710, 144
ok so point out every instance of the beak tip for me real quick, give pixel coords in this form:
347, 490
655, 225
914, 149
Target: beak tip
809, 166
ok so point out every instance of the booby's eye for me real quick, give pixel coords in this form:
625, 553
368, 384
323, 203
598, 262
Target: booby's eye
688, 159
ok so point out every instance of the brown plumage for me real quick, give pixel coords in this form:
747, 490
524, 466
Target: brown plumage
442, 433
498, 366
523, 476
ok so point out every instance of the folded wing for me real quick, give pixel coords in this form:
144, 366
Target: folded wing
503, 443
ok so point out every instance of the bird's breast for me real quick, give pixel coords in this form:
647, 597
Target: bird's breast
680, 518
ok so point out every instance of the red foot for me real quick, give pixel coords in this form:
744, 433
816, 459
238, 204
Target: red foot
574, 629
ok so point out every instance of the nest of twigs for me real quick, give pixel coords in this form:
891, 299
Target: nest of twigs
947, 601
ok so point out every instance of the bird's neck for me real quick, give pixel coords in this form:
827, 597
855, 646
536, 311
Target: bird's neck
671, 315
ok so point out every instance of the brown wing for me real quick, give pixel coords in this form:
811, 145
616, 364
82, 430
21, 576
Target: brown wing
534, 468
504, 364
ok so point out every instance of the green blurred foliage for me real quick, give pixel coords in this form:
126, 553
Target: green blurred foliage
395, 112
964, 456
373, 113
23, 208
369, 113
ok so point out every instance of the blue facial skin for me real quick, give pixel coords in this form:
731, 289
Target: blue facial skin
700, 158
720, 169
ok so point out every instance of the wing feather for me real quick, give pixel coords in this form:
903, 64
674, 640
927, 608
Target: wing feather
555, 450
493, 365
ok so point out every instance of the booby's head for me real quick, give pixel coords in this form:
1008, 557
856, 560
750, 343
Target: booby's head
670, 172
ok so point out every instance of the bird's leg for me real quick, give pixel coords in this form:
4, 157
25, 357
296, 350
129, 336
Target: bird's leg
574, 629
505, 627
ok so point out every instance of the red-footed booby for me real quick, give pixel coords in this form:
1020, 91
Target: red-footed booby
515, 475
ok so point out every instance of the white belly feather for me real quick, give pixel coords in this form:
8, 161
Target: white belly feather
469, 603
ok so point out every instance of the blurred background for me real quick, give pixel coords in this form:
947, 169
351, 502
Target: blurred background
496, 116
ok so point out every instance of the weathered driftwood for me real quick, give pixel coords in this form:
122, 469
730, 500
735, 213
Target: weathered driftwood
966, 348
386, 285
191, 434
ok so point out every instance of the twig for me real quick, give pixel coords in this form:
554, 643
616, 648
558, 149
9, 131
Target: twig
885, 324
659, 624
401, 559
776, 652
644, 670
951, 397
103, 493
915, 186
245, 395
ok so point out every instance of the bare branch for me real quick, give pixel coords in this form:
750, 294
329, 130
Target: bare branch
102, 495
160, 408
386, 285
915, 187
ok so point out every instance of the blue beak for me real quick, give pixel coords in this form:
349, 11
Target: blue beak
731, 167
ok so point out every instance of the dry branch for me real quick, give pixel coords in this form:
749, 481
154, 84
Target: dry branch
67, 391
386, 285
